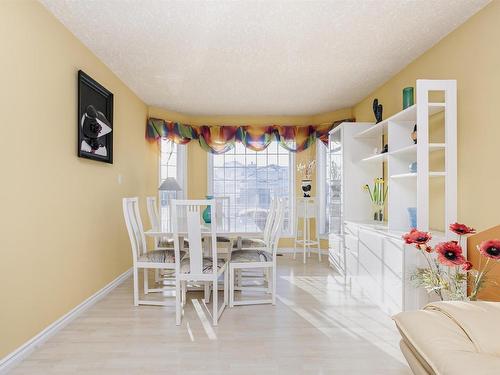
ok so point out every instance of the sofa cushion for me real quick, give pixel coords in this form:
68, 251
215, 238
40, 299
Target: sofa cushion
443, 346
479, 320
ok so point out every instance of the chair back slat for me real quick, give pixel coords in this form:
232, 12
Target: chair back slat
277, 227
154, 217
270, 220
186, 220
194, 236
134, 226
223, 214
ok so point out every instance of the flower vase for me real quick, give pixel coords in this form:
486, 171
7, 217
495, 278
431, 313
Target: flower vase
306, 188
378, 212
207, 212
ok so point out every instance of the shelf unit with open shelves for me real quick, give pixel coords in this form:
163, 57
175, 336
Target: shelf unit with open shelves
373, 253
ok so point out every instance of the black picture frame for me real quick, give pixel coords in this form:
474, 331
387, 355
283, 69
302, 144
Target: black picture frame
95, 109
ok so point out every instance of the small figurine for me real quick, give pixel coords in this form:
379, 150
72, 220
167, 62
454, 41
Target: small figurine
377, 110
414, 134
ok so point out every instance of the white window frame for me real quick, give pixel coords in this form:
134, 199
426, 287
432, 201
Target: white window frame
181, 171
321, 155
291, 189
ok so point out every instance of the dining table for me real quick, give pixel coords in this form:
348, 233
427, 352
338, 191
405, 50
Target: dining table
235, 237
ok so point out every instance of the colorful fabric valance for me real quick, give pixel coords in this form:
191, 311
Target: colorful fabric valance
220, 139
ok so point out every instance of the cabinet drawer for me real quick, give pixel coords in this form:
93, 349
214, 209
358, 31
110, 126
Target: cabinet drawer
372, 241
351, 264
393, 256
351, 243
370, 260
393, 291
350, 228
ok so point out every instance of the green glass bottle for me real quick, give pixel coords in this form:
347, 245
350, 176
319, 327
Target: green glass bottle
408, 99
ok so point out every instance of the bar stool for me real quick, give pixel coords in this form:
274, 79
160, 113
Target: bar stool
306, 211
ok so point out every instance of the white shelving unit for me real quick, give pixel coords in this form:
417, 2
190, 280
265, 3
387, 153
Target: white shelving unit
374, 255
344, 172
408, 189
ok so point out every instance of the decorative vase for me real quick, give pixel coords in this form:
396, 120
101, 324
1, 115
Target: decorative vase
412, 217
378, 212
306, 188
207, 212
408, 100
414, 134
413, 167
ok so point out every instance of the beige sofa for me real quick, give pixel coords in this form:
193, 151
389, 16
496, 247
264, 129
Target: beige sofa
452, 338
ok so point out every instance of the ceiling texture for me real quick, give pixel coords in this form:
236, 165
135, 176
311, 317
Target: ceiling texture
258, 57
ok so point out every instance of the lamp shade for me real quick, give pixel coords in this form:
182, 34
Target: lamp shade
170, 184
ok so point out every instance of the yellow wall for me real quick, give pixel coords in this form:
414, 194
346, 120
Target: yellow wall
197, 157
61, 223
62, 230
470, 55
490, 292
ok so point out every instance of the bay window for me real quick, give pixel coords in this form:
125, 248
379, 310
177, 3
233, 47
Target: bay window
250, 179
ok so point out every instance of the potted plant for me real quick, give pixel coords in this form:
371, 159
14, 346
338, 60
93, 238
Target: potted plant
378, 197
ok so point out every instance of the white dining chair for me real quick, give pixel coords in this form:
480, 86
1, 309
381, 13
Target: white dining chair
196, 267
141, 257
262, 259
222, 215
257, 244
262, 241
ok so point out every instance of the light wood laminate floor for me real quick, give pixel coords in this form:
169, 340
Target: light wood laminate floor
316, 327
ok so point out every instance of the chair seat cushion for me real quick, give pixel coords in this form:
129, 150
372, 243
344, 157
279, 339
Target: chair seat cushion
170, 243
207, 265
241, 256
251, 242
160, 256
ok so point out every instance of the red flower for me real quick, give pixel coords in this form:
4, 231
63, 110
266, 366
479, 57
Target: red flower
467, 266
450, 253
461, 229
416, 237
425, 248
490, 249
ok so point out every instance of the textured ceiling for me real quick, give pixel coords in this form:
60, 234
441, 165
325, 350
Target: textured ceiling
258, 57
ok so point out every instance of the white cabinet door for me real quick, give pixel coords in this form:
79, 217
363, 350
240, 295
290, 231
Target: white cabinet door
370, 255
336, 252
392, 275
352, 266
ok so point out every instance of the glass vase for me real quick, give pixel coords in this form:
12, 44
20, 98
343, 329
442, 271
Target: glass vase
378, 212
207, 213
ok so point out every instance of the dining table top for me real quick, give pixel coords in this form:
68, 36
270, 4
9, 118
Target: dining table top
206, 230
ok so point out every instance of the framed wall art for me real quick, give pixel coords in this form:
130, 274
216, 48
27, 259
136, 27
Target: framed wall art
95, 120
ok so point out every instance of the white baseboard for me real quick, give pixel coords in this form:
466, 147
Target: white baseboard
25, 349
289, 250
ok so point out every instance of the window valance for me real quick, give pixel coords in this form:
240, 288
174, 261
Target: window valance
220, 139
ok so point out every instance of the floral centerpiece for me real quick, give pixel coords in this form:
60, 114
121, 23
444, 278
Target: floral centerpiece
378, 197
448, 272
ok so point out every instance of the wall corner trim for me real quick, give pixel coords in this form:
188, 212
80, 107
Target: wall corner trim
24, 350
